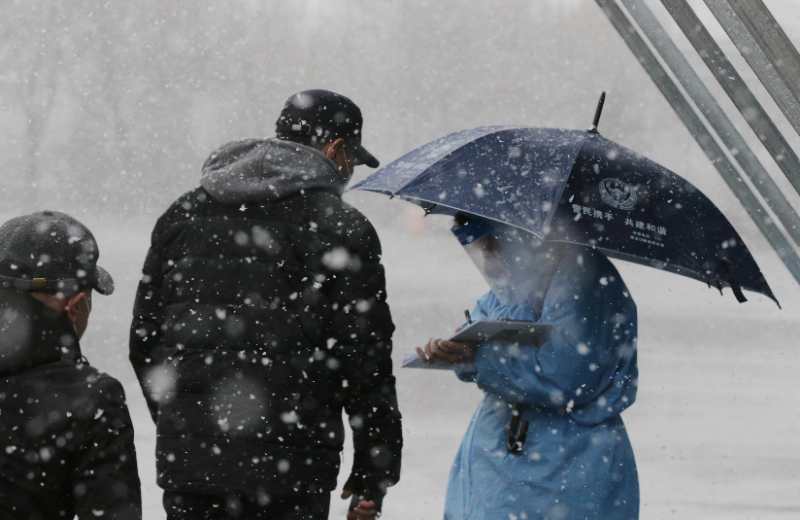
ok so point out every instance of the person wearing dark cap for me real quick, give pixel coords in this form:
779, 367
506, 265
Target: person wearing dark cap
66, 438
260, 316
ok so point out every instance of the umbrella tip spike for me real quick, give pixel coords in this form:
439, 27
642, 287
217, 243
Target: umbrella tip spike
598, 112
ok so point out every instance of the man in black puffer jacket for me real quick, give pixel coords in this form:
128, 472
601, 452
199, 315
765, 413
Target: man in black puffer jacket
260, 315
66, 438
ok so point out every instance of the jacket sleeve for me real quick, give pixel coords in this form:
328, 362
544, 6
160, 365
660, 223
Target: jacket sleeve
361, 324
593, 336
146, 327
105, 478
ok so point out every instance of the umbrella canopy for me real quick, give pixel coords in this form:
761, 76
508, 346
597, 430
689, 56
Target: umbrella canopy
577, 187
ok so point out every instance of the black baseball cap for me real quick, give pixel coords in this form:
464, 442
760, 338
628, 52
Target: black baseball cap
50, 252
318, 115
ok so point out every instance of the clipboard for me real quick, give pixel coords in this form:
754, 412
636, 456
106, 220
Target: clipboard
523, 333
503, 331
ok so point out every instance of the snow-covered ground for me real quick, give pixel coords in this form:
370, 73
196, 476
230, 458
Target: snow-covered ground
716, 428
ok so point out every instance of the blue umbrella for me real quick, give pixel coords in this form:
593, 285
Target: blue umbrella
577, 187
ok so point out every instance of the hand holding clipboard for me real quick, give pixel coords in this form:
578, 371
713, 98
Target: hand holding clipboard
510, 332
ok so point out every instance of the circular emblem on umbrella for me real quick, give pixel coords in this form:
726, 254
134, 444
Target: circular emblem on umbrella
618, 194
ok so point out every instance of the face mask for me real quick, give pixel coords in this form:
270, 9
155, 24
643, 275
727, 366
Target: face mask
486, 257
511, 261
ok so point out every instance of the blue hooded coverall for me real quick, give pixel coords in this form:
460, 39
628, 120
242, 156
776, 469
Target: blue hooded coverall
576, 462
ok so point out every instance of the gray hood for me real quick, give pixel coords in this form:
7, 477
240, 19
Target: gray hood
257, 170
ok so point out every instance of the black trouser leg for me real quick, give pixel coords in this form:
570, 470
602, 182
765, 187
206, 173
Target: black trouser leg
300, 507
195, 506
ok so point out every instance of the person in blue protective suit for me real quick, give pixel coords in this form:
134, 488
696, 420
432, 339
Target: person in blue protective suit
547, 441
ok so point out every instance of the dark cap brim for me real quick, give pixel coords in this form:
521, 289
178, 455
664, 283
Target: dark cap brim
362, 156
103, 282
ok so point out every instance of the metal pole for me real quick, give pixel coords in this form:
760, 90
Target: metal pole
737, 90
703, 137
708, 106
751, 46
772, 40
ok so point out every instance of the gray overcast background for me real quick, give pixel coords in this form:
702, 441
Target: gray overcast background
108, 109
114, 105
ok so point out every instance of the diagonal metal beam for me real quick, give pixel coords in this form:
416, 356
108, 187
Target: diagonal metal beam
750, 42
704, 138
715, 116
771, 39
733, 84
